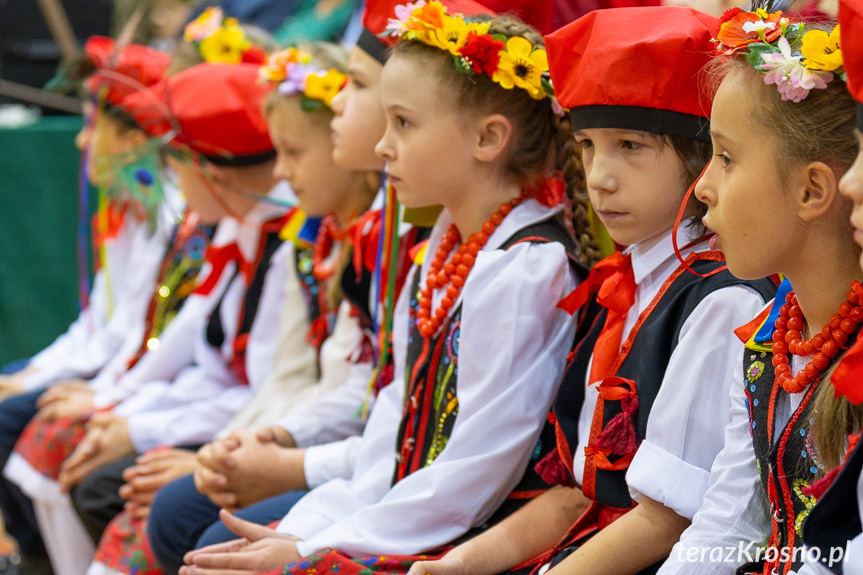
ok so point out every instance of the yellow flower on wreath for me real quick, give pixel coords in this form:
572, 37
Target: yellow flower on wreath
822, 51
453, 34
226, 45
520, 65
324, 88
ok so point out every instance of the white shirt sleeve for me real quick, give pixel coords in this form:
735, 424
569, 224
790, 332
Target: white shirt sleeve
684, 430
204, 396
735, 512
513, 346
118, 304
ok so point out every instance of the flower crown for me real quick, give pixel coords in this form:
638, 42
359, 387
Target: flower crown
509, 61
221, 40
294, 72
795, 61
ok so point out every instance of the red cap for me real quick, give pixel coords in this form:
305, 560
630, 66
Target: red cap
537, 13
851, 28
635, 68
378, 12
132, 69
215, 109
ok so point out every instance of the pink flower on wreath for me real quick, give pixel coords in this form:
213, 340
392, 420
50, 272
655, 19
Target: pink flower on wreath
403, 14
792, 79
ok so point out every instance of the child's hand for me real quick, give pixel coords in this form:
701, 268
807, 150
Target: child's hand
68, 399
275, 434
261, 470
260, 549
14, 384
106, 441
446, 565
153, 470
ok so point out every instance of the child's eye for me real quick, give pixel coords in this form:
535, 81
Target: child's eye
630, 145
723, 157
584, 143
402, 122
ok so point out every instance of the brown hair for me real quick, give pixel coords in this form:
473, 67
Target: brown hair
819, 128
541, 139
326, 56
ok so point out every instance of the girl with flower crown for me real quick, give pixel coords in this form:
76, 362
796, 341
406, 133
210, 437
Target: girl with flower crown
799, 143
478, 337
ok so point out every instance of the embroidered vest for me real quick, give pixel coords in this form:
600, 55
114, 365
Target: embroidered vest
835, 520
321, 318
269, 242
639, 371
176, 280
431, 398
786, 459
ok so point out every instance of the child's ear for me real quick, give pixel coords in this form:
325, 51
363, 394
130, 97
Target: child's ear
817, 192
494, 133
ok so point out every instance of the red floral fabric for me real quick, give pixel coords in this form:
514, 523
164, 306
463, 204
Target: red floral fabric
46, 445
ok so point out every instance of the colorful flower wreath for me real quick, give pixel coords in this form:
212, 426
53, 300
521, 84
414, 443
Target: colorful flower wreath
508, 61
294, 72
795, 61
221, 40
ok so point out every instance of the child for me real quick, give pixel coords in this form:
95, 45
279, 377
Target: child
796, 146
306, 459
832, 531
640, 409
298, 116
479, 342
134, 224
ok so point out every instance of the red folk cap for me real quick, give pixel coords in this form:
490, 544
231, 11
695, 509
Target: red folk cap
378, 12
851, 27
213, 109
635, 69
123, 72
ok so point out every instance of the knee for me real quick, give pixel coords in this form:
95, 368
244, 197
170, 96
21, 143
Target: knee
167, 531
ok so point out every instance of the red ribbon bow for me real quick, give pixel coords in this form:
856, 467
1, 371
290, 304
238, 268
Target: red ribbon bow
219, 257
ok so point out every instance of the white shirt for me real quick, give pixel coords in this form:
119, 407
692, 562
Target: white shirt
205, 394
513, 346
99, 339
684, 430
735, 512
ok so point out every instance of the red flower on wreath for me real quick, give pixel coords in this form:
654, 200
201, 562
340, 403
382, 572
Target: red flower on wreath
483, 52
729, 14
733, 37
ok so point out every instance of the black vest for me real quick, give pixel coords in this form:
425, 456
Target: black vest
835, 520
652, 346
431, 401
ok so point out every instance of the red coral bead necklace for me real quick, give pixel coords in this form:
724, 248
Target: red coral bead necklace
453, 274
826, 345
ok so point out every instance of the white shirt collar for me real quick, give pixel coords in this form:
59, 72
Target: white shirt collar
649, 255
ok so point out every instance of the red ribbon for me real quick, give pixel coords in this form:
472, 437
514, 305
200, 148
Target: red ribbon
219, 257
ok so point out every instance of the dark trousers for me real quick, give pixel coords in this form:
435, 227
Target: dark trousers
15, 413
96, 498
181, 519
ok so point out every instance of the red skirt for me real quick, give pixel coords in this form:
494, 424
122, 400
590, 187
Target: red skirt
124, 547
328, 561
46, 445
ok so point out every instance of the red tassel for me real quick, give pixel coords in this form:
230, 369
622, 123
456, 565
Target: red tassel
552, 470
820, 487
619, 434
318, 332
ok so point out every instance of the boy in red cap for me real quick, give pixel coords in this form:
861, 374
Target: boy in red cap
641, 408
833, 527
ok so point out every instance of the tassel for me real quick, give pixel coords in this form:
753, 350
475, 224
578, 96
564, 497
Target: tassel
318, 332
619, 434
552, 470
